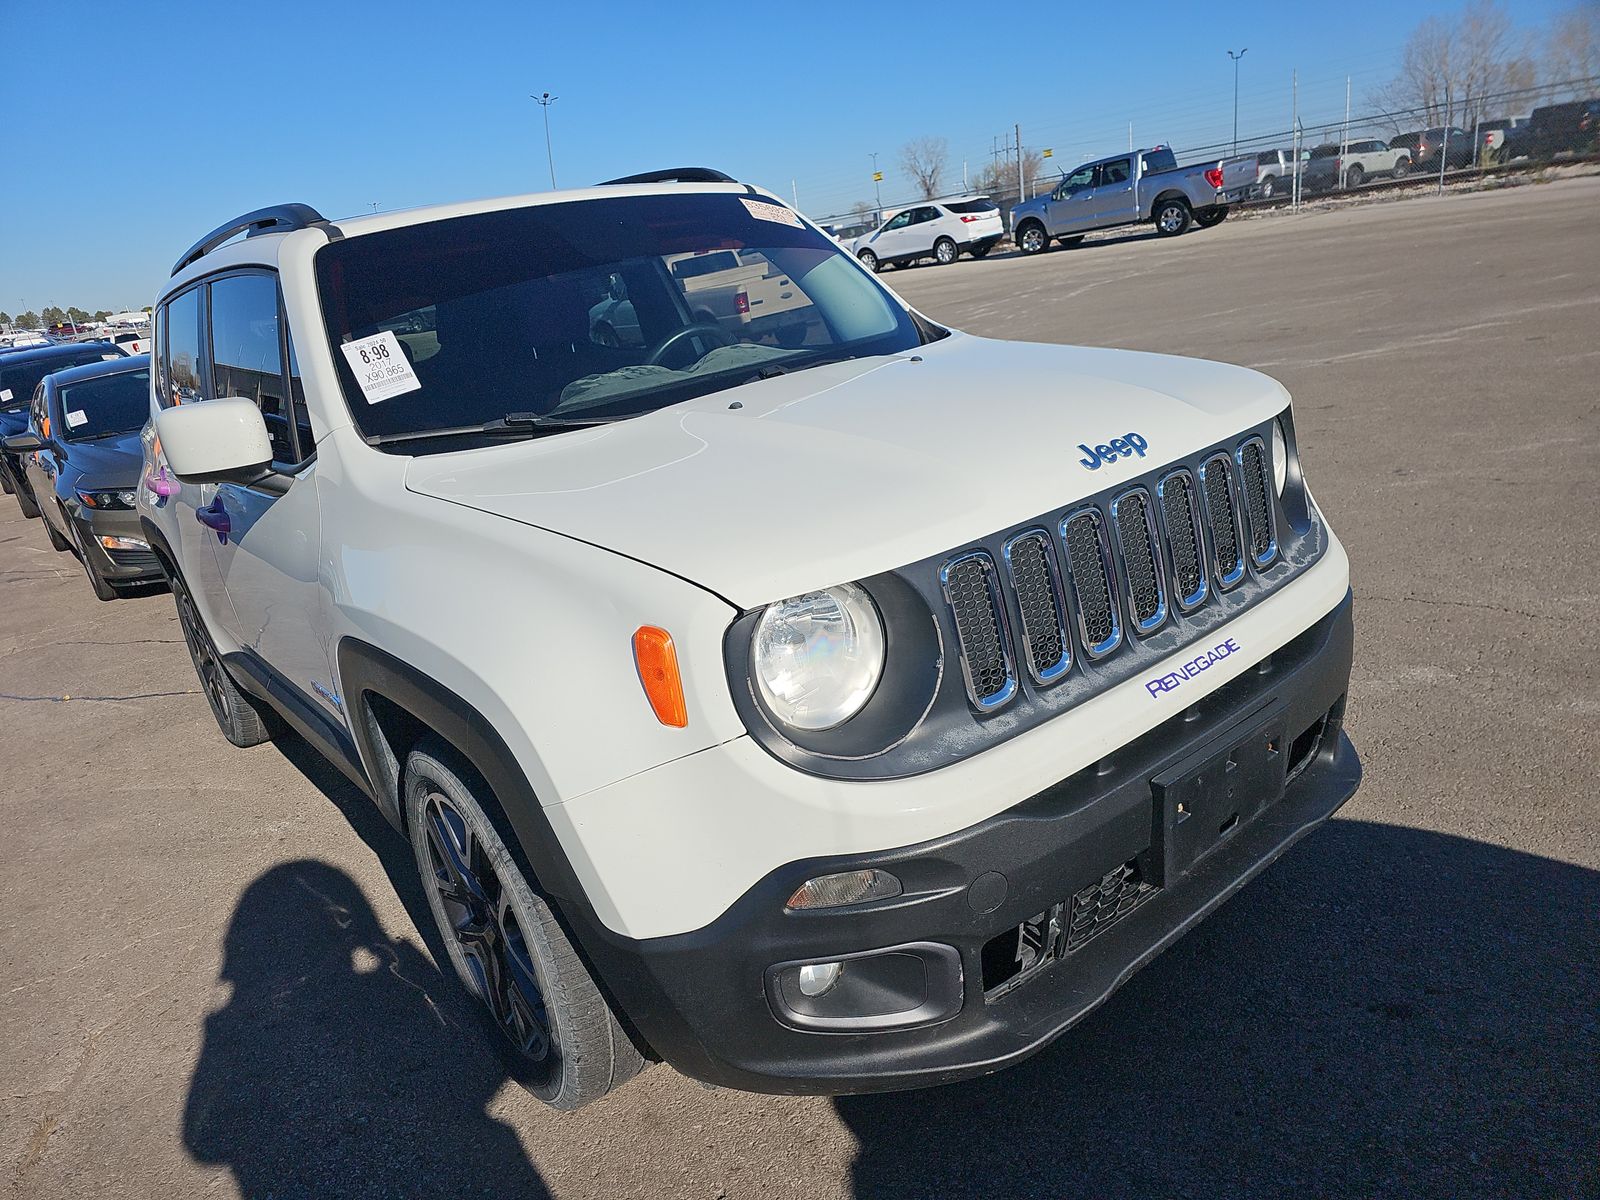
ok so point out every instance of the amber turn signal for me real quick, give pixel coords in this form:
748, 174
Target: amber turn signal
657, 660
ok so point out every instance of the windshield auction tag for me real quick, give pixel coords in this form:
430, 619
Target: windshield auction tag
762, 211
110, 357
5, 394
77, 417
380, 366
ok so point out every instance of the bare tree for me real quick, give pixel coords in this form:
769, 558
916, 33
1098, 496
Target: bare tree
862, 210
1574, 50
999, 179
925, 159
1450, 67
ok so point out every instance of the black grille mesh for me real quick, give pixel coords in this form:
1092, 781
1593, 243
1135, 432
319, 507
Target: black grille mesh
1256, 504
1177, 508
1097, 906
1042, 618
1090, 587
977, 625
1139, 556
1219, 502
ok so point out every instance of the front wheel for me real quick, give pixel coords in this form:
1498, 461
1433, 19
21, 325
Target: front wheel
1067, 243
1173, 217
945, 252
57, 542
24, 494
1268, 187
558, 1036
869, 260
1211, 216
1031, 238
981, 251
242, 720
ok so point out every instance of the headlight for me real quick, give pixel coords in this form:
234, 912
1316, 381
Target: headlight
119, 498
817, 658
1280, 457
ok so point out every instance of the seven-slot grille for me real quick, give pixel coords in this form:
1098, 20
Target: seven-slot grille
1173, 543
969, 588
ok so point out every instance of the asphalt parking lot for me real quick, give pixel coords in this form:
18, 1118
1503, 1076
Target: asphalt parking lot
214, 981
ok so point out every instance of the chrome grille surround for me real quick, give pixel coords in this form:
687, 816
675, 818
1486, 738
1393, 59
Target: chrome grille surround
1222, 518
1036, 582
1255, 489
1178, 498
1089, 567
976, 625
1133, 517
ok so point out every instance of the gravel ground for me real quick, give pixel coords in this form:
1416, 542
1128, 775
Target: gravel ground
214, 981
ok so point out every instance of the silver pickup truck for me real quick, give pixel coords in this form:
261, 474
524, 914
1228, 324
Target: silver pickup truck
1126, 189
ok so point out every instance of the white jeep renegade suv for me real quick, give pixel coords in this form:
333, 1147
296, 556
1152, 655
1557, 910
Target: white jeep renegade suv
849, 711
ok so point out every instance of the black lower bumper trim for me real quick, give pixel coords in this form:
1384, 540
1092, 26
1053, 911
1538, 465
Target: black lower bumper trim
1260, 762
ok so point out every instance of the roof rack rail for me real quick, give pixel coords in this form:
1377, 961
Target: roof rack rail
279, 218
675, 175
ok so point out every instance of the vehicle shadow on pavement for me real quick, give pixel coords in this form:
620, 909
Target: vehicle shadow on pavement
1385, 1012
343, 1063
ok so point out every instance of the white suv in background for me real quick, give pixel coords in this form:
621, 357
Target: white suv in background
829, 712
940, 230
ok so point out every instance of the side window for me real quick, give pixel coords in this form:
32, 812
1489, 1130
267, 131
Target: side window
246, 355
1116, 172
1081, 178
900, 221
181, 366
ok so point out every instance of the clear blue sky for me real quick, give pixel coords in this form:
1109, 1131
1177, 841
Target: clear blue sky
130, 130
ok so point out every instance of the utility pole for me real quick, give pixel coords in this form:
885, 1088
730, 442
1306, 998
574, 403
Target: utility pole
1021, 196
1236, 58
1130, 137
877, 185
1344, 136
1297, 168
544, 100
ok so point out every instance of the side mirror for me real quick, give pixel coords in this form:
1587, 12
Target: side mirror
23, 443
215, 441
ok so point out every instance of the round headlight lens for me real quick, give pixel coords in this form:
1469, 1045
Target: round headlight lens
818, 657
1280, 457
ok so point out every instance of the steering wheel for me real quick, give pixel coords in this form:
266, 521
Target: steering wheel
659, 350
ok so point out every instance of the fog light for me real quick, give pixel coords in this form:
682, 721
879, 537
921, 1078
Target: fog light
817, 978
122, 543
847, 887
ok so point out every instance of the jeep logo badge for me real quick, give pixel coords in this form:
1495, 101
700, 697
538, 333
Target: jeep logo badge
1125, 446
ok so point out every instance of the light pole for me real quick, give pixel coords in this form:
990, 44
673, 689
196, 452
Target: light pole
1236, 58
544, 101
877, 188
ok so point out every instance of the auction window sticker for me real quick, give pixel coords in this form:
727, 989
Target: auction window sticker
77, 417
762, 211
380, 366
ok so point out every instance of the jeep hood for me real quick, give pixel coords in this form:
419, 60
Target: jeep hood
843, 471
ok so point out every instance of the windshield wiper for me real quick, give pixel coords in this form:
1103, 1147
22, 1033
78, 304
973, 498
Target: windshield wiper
513, 425
773, 370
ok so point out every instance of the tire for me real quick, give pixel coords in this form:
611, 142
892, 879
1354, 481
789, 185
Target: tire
1068, 242
1355, 177
556, 1033
1268, 187
24, 495
1173, 217
945, 252
5, 482
869, 260
1210, 217
242, 721
980, 251
1032, 238
1402, 168
57, 542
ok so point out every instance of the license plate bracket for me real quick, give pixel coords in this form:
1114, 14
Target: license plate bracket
1206, 799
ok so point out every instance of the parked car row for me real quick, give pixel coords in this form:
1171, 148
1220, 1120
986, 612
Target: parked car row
509, 511
70, 418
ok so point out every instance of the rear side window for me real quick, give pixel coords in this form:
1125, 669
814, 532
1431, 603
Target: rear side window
1116, 172
973, 206
247, 353
1267, 160
181, 365
1159, 160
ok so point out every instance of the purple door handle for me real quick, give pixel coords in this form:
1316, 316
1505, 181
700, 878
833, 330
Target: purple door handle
214, 516
159, 484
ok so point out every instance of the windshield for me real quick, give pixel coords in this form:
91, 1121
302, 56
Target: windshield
111, 404
590, 310
17, 382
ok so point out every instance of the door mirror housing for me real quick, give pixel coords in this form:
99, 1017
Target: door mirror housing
23, 443
215, 441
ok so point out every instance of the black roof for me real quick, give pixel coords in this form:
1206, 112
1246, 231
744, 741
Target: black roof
54, 350
95, 370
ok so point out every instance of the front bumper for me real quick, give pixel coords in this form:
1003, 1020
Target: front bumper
132, 565
706, 1001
